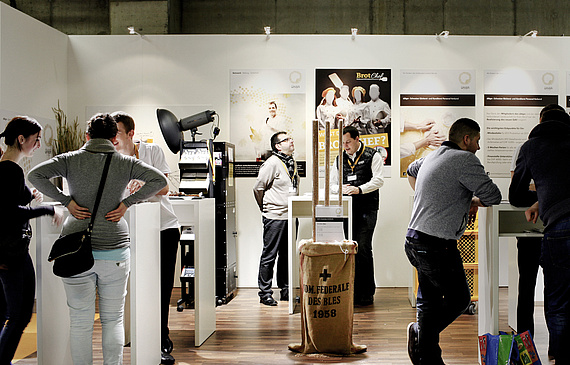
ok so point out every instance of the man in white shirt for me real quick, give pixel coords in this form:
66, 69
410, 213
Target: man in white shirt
153, 155
362, 179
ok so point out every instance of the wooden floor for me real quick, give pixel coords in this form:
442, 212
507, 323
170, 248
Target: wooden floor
251, 333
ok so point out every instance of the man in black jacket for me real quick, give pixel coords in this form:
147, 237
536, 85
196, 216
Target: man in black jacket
362, 179
544, 158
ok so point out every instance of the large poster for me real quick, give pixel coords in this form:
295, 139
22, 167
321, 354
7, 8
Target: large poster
263, 102
513, 100
430, 101
360, 98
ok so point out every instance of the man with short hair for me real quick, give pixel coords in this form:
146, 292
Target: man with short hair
449, 184
544, 159
153, 155
277, 180
362, 178
528, 258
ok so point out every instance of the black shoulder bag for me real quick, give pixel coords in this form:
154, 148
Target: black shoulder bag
72, 253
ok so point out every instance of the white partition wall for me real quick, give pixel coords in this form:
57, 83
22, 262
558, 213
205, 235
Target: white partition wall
193, 72
39, 65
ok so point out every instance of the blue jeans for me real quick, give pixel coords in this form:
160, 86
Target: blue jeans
17, 292
109, 279
443, 292
555, 261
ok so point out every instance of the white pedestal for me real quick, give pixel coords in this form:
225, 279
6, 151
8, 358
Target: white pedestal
200, 213
143, 298
502, 220
144, 306
302, 207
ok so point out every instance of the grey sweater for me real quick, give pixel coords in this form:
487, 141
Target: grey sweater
446, 181
273, 188
83, 169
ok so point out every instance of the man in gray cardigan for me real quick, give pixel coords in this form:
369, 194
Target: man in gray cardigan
449, 184
277, 180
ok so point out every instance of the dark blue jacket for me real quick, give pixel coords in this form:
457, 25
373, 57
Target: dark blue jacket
545, 157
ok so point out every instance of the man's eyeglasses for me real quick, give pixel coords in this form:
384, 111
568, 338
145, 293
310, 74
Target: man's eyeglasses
285, 140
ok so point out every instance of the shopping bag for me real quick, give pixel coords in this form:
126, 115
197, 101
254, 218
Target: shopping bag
496, 349
508, 349
527, 350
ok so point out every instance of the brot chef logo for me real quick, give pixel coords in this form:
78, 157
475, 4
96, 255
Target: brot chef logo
371, 76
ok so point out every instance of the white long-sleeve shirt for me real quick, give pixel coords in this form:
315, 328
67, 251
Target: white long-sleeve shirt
375, 183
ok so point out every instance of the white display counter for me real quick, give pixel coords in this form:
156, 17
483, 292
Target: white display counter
142, 309
501, 220
200, 214
302, 207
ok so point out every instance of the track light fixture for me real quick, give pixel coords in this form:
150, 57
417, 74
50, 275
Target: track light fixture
133, 31
532, 34
443, 34
353, 32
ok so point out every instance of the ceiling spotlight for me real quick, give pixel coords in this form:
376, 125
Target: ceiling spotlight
267, 30
443, 34
354, 32
532, 33
133, 31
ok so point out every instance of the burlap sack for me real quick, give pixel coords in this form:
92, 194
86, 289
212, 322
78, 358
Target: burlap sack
327, 297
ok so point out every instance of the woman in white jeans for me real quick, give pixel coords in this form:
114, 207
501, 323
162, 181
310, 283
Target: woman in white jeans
110, 237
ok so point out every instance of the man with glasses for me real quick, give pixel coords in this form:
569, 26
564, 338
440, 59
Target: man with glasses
277, 180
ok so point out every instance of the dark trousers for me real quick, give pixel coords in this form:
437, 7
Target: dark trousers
555, 261
274, 244
169, 239
18, 287
528, 252
363, 224
443, 292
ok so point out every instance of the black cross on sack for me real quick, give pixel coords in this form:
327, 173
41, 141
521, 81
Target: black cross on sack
325, 275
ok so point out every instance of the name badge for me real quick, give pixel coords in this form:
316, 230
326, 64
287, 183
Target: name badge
351, 178
292, 190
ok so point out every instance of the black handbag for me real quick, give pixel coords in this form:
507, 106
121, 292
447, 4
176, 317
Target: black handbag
72, 253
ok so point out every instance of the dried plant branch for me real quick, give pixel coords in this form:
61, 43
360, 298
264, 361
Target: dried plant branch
69, 137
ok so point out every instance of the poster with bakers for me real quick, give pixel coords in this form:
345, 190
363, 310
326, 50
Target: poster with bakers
355, 97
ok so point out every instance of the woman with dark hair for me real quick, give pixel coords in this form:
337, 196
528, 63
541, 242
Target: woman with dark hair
17, 277
110, 236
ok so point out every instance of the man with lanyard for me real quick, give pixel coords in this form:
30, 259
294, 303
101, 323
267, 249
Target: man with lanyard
362, 177
153, 155
277, 180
